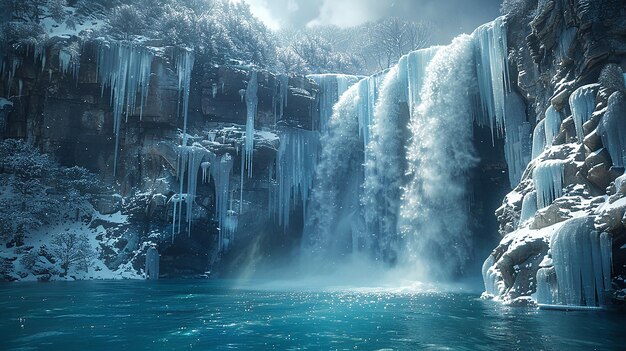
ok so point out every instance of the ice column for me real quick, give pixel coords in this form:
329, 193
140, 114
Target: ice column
548, 179
582, 102
220, 171
529, 207
295, 170
539, 139
612, 128
252, 102
125, 69
552, 124
517, 145
491, 53
582, 262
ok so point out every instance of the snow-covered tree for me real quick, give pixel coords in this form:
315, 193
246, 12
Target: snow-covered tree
72, 250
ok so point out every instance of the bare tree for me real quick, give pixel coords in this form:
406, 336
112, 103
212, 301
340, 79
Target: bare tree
71, 249
392, 37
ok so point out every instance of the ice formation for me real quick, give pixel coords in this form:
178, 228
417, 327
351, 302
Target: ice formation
67, 63
190, 160
433, 213
252, 102
184, 65
332, 86
517, 145
529, 207
548, 180
582, 102
414, 73
565, 42
492, 284
295, 170
220, 171
613, 130
552, 124
581, 258
491, 53
152, 263
125, 69
539, 139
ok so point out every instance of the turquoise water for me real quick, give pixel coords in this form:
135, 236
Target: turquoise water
214, 315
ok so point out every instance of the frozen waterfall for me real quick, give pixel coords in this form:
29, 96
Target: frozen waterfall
252, 102
580, 274
125, 69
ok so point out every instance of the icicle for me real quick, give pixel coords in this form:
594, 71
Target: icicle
332, 86
517, 145
220, 171
205, 171
125, 69
552, 124
184, 64
539, 139
295, 170
214, 90
582, 102
612, 128
491, 279
491, 53
251, 106
417, 61
582, 262
566, 39
548, 180
529, 208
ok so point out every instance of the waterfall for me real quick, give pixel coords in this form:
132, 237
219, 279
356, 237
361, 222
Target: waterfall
434, 212
393, 171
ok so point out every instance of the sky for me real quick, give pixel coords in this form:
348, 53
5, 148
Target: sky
449, 17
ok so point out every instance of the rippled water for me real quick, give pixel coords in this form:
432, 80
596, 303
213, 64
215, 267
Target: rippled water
215, 315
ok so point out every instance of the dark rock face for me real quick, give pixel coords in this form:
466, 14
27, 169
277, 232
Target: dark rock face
560, 48
71, 118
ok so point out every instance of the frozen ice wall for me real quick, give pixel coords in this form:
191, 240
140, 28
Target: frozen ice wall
580, 274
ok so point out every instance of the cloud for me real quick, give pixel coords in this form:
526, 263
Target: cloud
348, 13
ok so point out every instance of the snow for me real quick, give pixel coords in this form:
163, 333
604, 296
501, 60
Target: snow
548, 180
62, 30
582, 102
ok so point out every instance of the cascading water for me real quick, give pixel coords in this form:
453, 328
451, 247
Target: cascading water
399, 191
433, 215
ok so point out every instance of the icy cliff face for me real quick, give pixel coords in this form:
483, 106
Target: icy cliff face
562, 225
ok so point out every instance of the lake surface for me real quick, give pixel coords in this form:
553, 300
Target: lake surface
218, 315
